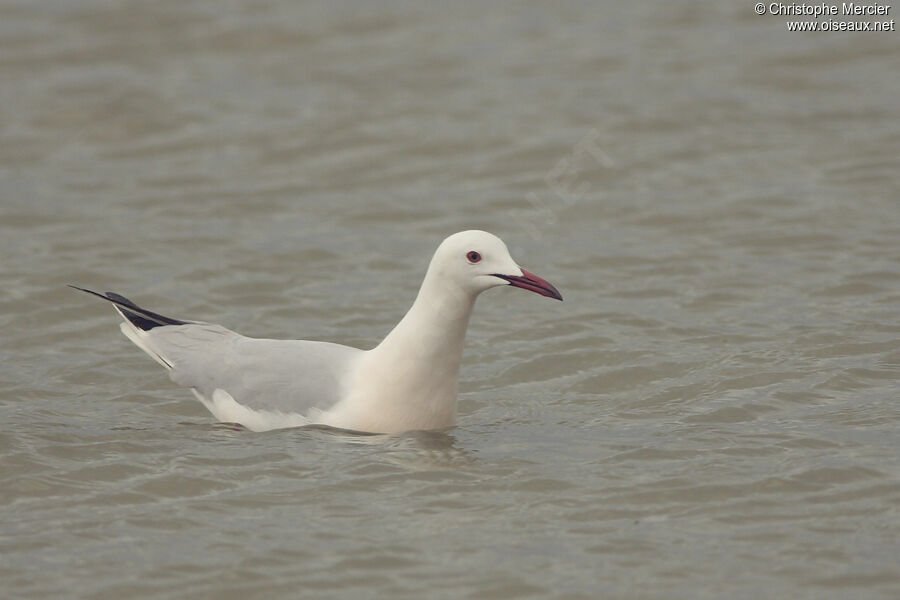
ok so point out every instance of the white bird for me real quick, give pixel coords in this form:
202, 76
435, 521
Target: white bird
407, 382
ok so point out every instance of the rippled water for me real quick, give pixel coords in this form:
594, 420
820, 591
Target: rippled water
711, 413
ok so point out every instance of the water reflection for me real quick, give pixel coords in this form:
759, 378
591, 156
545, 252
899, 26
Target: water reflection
411, 449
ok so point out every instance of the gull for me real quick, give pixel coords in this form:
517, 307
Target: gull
407, 382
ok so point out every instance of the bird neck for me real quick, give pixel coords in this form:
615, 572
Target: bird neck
410, 378
434, 329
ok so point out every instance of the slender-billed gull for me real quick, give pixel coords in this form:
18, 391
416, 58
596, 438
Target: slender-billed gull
407, 382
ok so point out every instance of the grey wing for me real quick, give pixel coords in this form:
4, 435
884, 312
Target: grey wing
290, 376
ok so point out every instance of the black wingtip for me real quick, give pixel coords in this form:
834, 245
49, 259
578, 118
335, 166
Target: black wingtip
87, 291
137, 316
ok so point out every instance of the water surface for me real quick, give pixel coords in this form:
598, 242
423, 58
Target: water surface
711, 413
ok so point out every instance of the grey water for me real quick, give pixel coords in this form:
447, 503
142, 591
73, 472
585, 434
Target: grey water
712, 412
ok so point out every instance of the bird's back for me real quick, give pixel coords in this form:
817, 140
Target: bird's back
287, 376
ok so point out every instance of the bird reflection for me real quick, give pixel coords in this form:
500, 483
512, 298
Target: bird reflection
418, 449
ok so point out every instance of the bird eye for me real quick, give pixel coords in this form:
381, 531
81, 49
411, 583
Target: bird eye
473, 257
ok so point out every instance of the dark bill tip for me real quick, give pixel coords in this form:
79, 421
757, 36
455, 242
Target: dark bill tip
532, 283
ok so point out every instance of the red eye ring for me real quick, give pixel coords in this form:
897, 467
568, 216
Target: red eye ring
473, 257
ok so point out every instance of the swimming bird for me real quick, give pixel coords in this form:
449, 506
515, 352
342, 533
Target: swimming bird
407, 382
